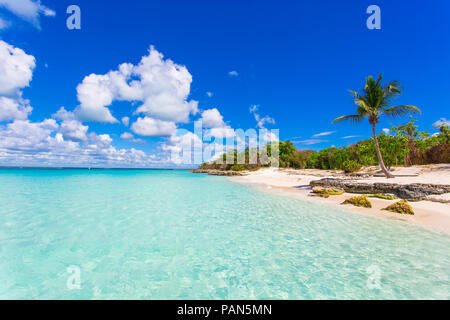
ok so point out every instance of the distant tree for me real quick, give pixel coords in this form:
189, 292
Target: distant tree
412, 141
373, 101
444, 132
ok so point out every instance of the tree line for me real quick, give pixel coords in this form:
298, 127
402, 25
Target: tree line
404, 145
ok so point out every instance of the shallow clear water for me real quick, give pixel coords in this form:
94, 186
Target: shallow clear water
137, 234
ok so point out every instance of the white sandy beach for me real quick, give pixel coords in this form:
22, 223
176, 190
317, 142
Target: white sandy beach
295, 183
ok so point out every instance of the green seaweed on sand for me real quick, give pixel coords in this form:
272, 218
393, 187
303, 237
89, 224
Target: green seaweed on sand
402, 207
358, 201
326, 192
383, 196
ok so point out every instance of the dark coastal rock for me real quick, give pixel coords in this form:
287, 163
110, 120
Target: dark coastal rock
414, 192
219, 172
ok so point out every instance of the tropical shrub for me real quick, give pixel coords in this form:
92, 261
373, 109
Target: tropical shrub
237, 167
403, 145
351, 166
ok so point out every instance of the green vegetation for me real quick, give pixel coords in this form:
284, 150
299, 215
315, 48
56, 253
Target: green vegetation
351, 166
358, 201
374, 101
383, 196
237, 167
404, 145
421, 148
327, 192
401, 207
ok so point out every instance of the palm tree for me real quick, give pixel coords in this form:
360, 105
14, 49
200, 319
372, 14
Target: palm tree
374, 101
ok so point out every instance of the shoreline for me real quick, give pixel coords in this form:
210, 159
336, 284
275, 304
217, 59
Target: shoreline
431, 215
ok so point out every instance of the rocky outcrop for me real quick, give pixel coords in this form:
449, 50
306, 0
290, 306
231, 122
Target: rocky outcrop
414, 192
220, 172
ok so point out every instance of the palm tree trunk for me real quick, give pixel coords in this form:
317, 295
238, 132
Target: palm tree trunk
380, 158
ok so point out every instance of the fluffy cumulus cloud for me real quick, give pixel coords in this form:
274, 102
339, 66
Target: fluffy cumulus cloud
160, 86
71, 129
29, 10
16, 69
126, 121
128, 136
441, 121
186, 141
149, 127
11, 109
16, 72
186, 147
23, 142
62, 140
212, 118
220, 133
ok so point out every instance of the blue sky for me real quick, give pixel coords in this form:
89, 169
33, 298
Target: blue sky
294, 60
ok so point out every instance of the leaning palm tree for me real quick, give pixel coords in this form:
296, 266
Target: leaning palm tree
374, 101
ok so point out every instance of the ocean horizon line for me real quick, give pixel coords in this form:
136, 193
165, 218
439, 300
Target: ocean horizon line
92, 168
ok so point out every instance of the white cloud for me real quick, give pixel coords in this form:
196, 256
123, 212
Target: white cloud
16, 72
73, 130
212, 118
323, 134
441, 121
24, 135
209, 94
233, 73
350, 137
62, 141
126, 121
29, 10
176, 143
128, 136
149, 127
63, 114
309, 142
11, 109
3, 23
94, 94
220, 133
65, 140
260, 121
41, 143
161, 85
99, 141
186, 148
16, 69
386, 130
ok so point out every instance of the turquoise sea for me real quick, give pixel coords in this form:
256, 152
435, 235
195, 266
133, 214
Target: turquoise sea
162, 234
